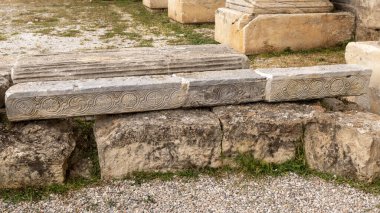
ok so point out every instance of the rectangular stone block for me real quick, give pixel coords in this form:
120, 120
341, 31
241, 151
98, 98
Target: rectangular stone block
287, 84
35, 153
127, 62
224, 87
156, 4
157, 141
269, 132
194, 11
250, 34
367, 54
58, 99
280, 6
344, 144
367, 11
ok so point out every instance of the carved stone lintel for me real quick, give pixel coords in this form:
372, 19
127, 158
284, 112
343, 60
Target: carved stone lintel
287, 84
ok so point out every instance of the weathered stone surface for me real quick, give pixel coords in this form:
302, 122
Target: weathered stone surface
250, 34
368, 12
58, 99
270, 132
156, 4
286, 84
5, 83
368, 16
224, 87
345, 144
127, 62
368, 55
280, 6
34, 154
193, 11
157, 141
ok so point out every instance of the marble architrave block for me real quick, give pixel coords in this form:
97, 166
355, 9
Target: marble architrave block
280, 6
127, 62
224, 87
289, 84
59, 99
156, 4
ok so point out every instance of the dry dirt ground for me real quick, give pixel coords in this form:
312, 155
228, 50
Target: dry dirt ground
42, 26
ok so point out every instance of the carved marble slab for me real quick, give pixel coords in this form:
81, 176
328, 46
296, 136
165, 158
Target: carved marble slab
227, 87
59, 99
280, 6
287, 84
127, 62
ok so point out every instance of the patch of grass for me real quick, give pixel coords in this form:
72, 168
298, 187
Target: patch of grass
3, 37
69, 33
290, 58
160, 24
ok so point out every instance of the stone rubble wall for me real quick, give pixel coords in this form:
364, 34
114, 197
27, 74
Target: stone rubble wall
344, 142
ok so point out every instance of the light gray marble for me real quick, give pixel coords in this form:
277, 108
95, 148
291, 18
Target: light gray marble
58, 99
224, 87
127, 62
287, 84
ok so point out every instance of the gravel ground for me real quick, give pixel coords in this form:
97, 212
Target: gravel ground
289, 193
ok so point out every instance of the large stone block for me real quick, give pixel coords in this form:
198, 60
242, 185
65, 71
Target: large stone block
345, 144
280, 6
157, 141
34, 154
270, 132
368, 16
287, 84
127, 62
367, 11
368, 55
224, 87
250, 34
156, 4
194, 11
58, 99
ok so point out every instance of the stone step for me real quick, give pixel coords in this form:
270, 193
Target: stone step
280, 6
289, 84
127, 62
60, 99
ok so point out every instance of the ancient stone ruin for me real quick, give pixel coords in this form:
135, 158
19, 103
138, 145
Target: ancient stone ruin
195, 106
256, 26
367, 17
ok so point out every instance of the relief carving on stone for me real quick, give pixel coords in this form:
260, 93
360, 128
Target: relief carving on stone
96, 103
318, 87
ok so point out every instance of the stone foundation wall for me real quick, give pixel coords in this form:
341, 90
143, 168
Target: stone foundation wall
345, 143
